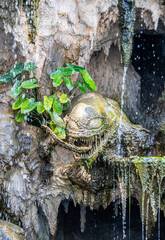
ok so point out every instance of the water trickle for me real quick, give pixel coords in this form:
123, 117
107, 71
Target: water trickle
114, 197
142, 214
159, 198
127, 19
124, 184
82, 217
147, 212
129, 192
30, 8
122, 106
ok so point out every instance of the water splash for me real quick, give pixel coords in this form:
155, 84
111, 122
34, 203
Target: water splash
122, 106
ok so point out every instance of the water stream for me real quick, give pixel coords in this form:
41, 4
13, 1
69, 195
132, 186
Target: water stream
122, 107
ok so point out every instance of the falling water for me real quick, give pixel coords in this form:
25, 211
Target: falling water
122, 106
159, 194
147, 212
114, 197
124, 180
82, 217
143, 197
129, 192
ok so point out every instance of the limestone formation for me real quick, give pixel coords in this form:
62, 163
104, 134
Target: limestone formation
9, 231
44, 173
37, 174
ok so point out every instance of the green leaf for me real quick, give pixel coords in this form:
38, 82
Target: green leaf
65, 106
18, 103
58, 120
76, 68
68, 83
48, 102
88, 79
68, 71
46, 105
86, 84
60, 132
29, 84
61, 72
40, 107
20, 116
58, 74
28, 105
17, 70
7, 77
80, 86
57, 82
57, 107
16, 89
30, 66
64, 98
54, 96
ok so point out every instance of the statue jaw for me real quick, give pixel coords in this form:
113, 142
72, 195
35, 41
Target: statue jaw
64, 143
96, 143
92, 134
87, 145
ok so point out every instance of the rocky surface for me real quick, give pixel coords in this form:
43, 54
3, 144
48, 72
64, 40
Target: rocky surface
35, 187
43, 174
34, 180
71, 32
9, 231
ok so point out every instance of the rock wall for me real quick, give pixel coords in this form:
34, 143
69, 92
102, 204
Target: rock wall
75, 32
83, 32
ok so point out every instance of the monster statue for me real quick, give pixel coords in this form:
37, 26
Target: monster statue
92, 125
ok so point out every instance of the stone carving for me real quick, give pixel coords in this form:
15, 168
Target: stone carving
48, 174
93, 123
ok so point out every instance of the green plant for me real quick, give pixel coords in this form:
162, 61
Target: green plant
50, 110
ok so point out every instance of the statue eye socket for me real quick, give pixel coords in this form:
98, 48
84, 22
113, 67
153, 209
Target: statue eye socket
72, 125
95, 123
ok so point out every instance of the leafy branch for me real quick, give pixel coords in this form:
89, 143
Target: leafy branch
52, 107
